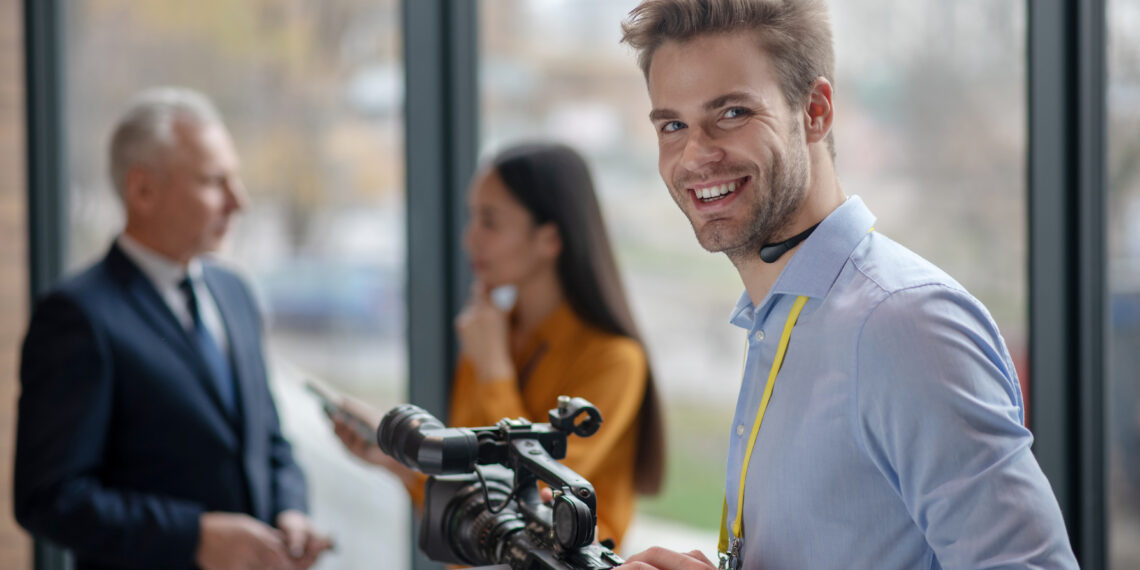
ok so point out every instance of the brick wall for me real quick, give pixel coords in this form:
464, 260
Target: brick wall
15, 547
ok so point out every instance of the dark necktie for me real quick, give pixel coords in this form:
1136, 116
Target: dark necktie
219, 366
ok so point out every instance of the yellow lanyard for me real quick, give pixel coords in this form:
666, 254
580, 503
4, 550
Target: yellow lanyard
737, 523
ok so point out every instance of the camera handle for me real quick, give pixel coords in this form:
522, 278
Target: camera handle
575, 505
575, 415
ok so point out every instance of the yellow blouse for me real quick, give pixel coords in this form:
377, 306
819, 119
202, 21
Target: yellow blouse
565, 356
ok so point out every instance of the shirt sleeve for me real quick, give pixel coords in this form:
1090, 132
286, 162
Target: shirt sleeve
940, 415
499, 398
612, 377
610, 372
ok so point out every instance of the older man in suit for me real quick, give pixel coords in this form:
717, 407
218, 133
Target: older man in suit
147, 436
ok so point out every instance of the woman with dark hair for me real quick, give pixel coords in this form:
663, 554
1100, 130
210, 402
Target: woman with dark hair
535, 228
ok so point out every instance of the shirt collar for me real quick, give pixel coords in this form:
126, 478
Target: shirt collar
161, 271
743, 314
559, 325
561, 320
815, 266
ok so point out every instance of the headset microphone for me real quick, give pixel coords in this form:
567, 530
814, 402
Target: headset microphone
771, 252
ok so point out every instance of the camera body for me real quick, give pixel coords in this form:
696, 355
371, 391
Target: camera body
482, 504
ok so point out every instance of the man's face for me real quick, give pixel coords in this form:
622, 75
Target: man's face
731, 150
196, 191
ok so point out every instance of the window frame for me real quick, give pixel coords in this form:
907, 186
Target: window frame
1067, 271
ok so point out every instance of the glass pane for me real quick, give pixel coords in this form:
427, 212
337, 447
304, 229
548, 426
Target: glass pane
932, 133
312, 93
918, 81
1124, 283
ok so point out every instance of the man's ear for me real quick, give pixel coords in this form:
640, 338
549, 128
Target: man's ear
818, 114
139, 190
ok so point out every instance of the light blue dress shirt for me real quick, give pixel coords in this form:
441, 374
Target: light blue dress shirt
894, 438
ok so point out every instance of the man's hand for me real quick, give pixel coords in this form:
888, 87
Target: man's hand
302, 542
233, 541
658, 558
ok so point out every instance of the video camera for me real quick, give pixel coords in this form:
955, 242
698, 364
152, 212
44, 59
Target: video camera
493, 515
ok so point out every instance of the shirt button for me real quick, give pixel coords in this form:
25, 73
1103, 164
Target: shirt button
759, 336
740, 429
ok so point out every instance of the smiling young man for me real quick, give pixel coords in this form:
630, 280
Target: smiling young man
879, 422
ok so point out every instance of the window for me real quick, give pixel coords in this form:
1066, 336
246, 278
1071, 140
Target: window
1123, 388
932, 134
313, 95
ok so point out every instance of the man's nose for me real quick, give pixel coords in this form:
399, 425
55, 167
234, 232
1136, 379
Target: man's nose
237, 198
700, 150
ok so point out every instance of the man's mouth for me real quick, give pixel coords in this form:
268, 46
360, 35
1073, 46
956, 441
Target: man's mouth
714, 192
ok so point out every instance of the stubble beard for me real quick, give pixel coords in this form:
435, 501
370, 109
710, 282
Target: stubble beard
769, 214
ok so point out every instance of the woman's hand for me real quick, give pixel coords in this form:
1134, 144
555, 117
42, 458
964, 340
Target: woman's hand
483, 333
362, 442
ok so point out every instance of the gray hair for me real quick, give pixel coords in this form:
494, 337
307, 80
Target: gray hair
146, 130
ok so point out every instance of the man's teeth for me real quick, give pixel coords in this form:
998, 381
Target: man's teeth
713, 192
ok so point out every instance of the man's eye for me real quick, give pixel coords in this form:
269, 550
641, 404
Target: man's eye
672, 126
213, 179
736, 112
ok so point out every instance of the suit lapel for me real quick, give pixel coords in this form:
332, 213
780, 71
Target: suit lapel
242, 343
149, 304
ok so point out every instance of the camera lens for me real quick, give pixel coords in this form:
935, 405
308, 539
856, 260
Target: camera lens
472, 531
398, 424
417, 439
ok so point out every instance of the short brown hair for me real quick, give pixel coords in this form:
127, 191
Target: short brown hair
796, 34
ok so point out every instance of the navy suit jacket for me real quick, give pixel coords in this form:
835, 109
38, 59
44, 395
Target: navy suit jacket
122, 441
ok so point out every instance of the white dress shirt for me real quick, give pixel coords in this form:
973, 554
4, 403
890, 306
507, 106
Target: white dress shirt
165, 275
